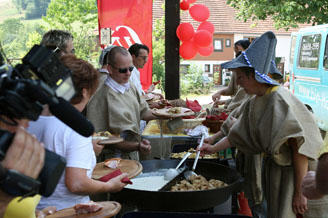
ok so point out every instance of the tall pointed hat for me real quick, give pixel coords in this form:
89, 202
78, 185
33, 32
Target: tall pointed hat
259, 56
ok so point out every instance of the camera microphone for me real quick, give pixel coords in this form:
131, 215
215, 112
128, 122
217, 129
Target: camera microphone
69, 115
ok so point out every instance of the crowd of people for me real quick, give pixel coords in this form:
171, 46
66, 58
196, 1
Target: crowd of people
274, 133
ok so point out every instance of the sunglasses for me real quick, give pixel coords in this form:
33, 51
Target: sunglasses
124, 70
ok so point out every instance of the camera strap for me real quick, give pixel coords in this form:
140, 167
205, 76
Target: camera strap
16, 184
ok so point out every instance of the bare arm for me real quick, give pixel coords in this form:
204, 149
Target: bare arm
213, 138
300, 163
148, 115
219, 146
78, 182
144, 146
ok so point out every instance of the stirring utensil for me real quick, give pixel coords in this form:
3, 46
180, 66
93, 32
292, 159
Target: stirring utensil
173, 172
191, 172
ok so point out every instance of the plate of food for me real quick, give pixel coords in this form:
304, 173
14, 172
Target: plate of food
173, 112
90, 209
106, 138
131, 167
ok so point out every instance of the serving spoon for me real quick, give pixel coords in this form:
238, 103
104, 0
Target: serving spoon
173, 172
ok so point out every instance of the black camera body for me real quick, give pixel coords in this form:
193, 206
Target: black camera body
41, 79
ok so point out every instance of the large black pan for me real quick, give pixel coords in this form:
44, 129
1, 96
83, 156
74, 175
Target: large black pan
166, 200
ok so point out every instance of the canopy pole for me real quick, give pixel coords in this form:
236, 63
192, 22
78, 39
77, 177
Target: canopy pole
172, 59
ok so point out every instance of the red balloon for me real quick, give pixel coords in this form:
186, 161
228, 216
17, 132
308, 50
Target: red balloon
184, 5
191, 1
206, 25
188, 50
185, 31
206, 51
199, 12
203, 38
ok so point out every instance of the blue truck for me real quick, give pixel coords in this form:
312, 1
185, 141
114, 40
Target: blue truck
309, 70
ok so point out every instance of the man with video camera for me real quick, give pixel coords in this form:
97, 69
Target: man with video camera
40, 80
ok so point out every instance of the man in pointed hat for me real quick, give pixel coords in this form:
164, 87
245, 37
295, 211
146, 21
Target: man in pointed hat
275, 123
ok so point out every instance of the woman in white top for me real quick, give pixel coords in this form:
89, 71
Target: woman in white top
75, 184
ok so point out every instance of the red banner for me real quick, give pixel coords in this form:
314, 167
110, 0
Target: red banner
127, 22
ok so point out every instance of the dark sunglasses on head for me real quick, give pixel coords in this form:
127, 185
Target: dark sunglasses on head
125, 70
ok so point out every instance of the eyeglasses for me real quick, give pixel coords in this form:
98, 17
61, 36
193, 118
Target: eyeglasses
124, 70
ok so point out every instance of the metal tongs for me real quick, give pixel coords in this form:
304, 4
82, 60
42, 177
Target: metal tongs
191, 172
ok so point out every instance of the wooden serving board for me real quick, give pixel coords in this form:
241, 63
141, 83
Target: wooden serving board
110, 208
131, 167
164, 112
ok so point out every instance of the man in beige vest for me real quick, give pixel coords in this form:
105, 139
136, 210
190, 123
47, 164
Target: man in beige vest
117, 107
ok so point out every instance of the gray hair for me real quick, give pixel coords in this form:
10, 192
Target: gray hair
104, 54
56, 38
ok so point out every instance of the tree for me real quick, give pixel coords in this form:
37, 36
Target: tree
80, 18
159, 52
20, 4
285, 13
12, 37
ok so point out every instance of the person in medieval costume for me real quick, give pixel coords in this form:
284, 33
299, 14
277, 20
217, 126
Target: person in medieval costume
273, 123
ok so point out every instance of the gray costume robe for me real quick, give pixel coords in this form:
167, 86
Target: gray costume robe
267, 122
118, 113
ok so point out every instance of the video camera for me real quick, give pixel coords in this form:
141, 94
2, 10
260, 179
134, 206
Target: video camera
40, 79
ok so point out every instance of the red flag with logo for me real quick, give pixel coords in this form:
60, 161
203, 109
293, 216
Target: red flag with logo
127, 22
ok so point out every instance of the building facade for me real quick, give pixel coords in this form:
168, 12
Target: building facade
228, 30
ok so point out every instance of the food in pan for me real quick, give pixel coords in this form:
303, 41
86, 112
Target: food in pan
112, 163
197, 183
193, 155
174, 110
90, 207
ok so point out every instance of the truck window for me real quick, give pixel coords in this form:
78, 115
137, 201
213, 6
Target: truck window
325, 60
292, 51
309, 51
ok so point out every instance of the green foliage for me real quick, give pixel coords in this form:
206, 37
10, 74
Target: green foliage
80, 18
67, 14
17, 38
193, 83
285, 13
10, 32
159, 52
33, 38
